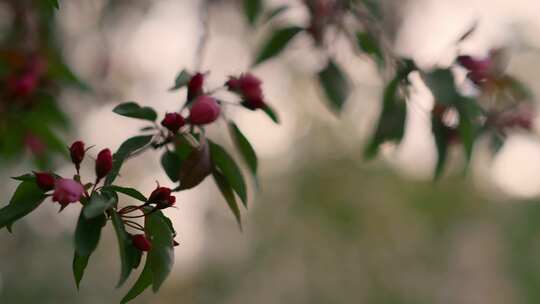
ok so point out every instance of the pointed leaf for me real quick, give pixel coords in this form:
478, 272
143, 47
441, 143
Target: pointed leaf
181, 80
133, 110
134, 193
128, 147
27, 197
227, 192
87, 233
442, 86
129, 255
196, 167
277, 43
252, 10
245, 148
335, 85
230, 170
369, 45
161, 255
271, 113
171, 163
144, 281
79, 265
97, 205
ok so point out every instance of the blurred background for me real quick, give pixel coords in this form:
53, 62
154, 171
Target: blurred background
326, 226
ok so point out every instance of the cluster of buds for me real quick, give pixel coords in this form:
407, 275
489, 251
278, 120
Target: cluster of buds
25, 78
248, 87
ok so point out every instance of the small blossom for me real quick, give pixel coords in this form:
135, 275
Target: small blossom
173, 122
195, 86
103, 163
76, 152
160, 194
67, 191
44, 180
141, 242
205, 110
34, 144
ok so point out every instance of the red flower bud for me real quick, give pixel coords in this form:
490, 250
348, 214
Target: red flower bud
195, 86
249, 88
479, 69
44, 180
173, 122
141, 242
169, 202
205, 110
159, 195
67, 191
77, 153
103, 163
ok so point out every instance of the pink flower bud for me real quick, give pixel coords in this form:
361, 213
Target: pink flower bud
159, 195
77, 153
141, 242
67, 191
195, 86
479, 69
23, 85
173, 122
103, 163
35, 144
205, 110
44, 180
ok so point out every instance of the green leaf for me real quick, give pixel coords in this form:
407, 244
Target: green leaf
161, 255
58, 70
227, 192
335, 85
79, 265
53, 4
25, 177
143, 282
87, 233
252, 10
128, 147
245, 148
441, 134
442, 86
27, 197
271, 113
196, 167
181, 80
171, 163
277, 43
391, 125
275, 12
133, 110
369, 45
97, 205
127, 191
226, 164
129, 255
469, 112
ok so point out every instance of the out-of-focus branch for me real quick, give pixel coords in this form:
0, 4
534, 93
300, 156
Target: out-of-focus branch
204, 11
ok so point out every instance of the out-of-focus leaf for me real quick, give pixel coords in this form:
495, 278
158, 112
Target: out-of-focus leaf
79, 265
252, 10
181, 80
391, 125
128, 147
245, 148
277, 43
53, 3
196, 167
143, 282
469, 112
442, 86
369, 45
441, 134
58, 70
97, 205
25, 177
335, 85
129, 255
161, 255
27, 197
271, 113
227, 192
275, 12
133, 110
230, 170
134, 193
